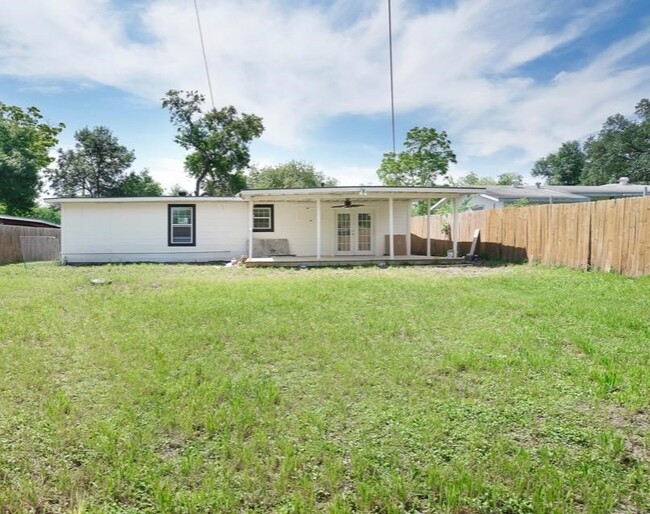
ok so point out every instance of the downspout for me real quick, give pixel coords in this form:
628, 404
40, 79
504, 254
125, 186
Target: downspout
250, 229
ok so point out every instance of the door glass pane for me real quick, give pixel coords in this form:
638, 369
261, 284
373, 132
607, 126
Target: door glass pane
364, 232
343, 239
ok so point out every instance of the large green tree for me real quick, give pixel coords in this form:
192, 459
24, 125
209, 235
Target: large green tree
621, 149
564, 167
426, 156
218, 141
24, 145
95, 167
138, 184
287, 175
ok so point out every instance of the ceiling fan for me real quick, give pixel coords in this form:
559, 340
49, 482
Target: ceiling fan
347, 204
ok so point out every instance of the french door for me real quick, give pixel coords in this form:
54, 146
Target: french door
354, 233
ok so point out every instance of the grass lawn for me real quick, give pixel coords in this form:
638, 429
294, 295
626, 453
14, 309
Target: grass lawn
196, 389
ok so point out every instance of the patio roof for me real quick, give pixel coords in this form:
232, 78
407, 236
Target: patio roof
371, 192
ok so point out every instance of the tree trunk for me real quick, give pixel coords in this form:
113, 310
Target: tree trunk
199, 180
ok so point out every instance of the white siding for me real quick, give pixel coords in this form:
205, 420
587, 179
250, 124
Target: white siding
136, 231
132, 232
296, 222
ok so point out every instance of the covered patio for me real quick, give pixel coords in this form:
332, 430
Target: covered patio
334, 260
342, 226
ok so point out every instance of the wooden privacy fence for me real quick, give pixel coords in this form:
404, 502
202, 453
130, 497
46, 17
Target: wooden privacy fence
612, 235
18, 244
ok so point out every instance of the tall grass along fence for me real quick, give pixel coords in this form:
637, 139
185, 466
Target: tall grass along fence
612, 235
29, 244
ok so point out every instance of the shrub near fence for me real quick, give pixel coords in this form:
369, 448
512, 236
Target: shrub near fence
10, 243
612, 235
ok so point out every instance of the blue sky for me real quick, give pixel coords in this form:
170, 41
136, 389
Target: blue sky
509, 80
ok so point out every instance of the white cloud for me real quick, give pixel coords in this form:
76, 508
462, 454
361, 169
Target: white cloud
169, 172
299, 64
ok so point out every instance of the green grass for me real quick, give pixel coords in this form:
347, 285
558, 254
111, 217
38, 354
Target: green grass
196, 389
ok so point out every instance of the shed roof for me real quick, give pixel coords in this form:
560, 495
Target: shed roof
5, 219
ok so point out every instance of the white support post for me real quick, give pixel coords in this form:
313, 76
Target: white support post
391, 229
318, 230
250, 229
428, 228
409, 205
455, 232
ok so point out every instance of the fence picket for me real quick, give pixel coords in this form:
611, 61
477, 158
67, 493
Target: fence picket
611, 235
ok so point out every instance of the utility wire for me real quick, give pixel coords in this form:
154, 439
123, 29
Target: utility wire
205, 59
392, 89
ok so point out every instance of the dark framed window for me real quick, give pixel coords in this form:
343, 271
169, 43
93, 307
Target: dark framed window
263, 218
182, 225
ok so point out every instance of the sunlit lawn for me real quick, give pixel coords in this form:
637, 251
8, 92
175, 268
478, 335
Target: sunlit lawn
209, 389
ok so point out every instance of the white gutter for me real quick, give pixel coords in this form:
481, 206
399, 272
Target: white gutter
144, 199
363, 191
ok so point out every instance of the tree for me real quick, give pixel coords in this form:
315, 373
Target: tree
138, 184
217, 139
426, 156
24, 145
177, 190
565, 167
48, 213
290, 174
621, 149
509, 178
472, 179
95, 167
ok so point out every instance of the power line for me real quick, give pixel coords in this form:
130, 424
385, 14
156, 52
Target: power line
205, 59
392, 89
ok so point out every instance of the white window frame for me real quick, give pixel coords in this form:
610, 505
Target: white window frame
270, 218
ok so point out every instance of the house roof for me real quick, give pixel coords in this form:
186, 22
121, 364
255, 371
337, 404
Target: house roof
5, 219
297, 194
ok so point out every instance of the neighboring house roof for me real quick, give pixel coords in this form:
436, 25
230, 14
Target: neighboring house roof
531, 193
606, 191
564, 194
26, 222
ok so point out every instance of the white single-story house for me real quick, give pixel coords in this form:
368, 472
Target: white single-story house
351, 223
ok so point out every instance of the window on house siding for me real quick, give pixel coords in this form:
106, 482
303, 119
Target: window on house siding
182, 225
263, 218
